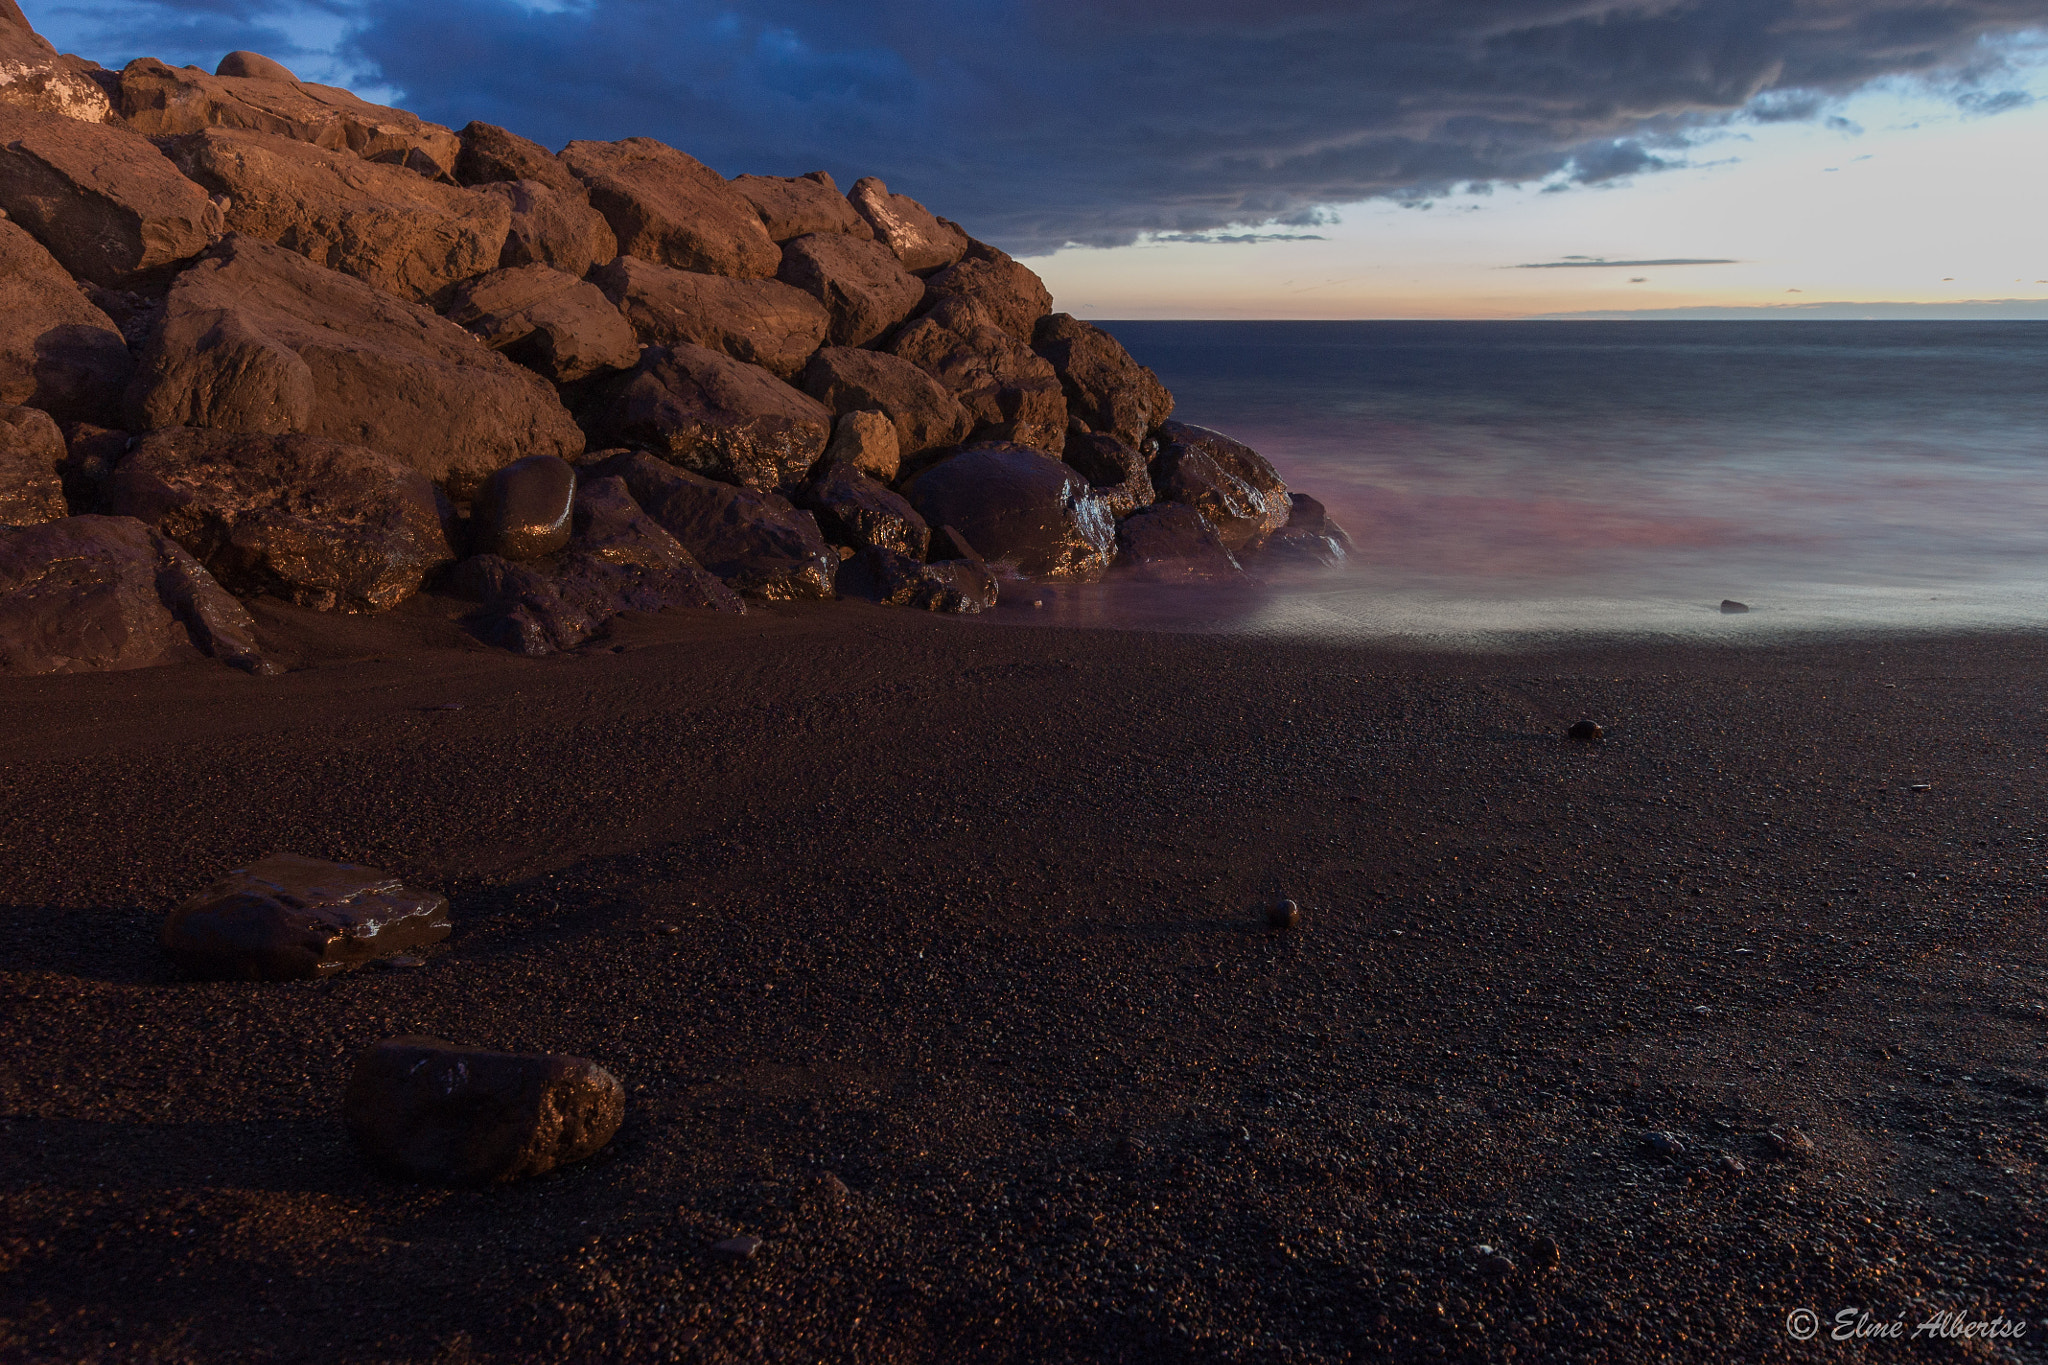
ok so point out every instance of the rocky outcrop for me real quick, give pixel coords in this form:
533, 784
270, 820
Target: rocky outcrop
253, 66
761, 322
428, 1110
1226, 481
1120, 474
853, 509
793, 206
1009, 390
285, 918
556, 325
102, 200
1173, 543
619, 560
57, 351
524, 509
1105, 388
167, 101
320, 524
868, 442
920, 239
258, 339
1006, 294
490, 155
32, 459
757, 543
707, 412
93, 594
1026, 512
672, 209
33, 77
927, 417
383, 224
552, 227
864, 288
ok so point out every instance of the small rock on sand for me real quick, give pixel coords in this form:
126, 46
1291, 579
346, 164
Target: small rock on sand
1585, 731
284, 917
1283, 914
736, 1248
1730, 607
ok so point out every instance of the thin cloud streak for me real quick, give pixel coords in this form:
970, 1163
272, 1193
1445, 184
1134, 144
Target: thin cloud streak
1571, 263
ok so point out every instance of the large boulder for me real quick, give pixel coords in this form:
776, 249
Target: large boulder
35, 78
399, 231
256, 338
158, 100
868, 442
91, 594
253, 66
1227, 481
32, 457
756, 542
1173, 543
707, 412
491, 155
556, 325
1008, 295
672, 209
1118, 472
104, 201
927, 418
524, 510
1011, 392
285, 918
619, 560
792, 206
854, 510
554, 227
57, 351
1027, 513
1105, 387
318, 523
761, 322
428, 1110
920, 239
864, 288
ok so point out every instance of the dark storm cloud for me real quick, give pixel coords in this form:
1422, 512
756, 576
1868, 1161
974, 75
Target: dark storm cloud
1041, 122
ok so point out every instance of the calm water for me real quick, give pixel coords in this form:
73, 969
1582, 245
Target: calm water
1519, 477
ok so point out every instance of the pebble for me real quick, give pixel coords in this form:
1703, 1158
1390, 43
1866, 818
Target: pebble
1544, 1251
737, 1248
1730, 607
1492, 1264
1283, 915
1585, 731
1731, 1165
399, 963
1919, 786
1664, 1144
1788, 1144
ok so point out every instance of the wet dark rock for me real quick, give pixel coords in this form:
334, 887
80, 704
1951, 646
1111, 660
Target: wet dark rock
524, 509
1026, 512
258, 339
868, 442
35, 78
1173, 543
1283, 914
550, 226
762, 322
1105, 388
853, 509
427, 1109
1120, 473
927, 417
253, 66
671, 209
318, 523
756, 542
863, 288
736, 1248
1009, 295
1491, 1264
1310, 540
706, 412
32, 457
797, 206
896, 580
285, 917
57, 351
93, 594
920, 239
490, 155
103, 200
554, 324
1009, 390
1227, 481
1585, 731
1732, 608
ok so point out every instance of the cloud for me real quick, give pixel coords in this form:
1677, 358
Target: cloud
1988, 310
1045, 122
1594, 263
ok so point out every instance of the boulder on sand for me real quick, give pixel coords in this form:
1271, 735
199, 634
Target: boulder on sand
429, 1110
710, 413
91, 594
552, 227
852, 509
104, 201
1173, 543
258, 339
1026, 512
35, 78
865, 290
57, 351
672, 209
285, 917
32, 458
1105, 387
1119, 473
1009, 390
556, 325
927, 418
761, 322
524, 509
1227, 481
756, 542
920, 239
320, 524
792, 206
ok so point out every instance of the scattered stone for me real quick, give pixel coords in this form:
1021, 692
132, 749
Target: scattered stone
57, 351
736, 1248
553, 227
1545, 1252
756, 542
1283, 914
33, 77
1731, 608
853, 509
562, 328
253, 66
894, 579
1009, 390
797, 206
1173, 543
1027, 513
863, 288
1730, 1164
868, 442
1120, 473
1105, 388
762, 322
1919, 786
1664, 1144
490, 155
707, 412
920, 239
1789, 1145
430, 1110
927, 417
524, 509
1585, 731
32, 457
285, 917
671, 209
832, 1191
1491, 1263
1227, 481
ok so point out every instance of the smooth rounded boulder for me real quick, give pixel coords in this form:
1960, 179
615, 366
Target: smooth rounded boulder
672, 209
286, 917
1027, 513
32, 456
1173, 543
524, 509
704, 411
253, 66
1231, 484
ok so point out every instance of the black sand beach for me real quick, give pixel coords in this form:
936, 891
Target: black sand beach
934, 954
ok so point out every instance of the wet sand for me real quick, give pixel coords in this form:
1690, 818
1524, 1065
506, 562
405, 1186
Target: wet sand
933, 953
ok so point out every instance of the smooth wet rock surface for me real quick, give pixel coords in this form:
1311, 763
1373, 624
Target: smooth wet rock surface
524, 509
1225, 480
1119, 472
1173, 543
1026, 512
756, 542
285, 917
704, 411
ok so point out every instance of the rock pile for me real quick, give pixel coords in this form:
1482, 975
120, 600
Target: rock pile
259, 336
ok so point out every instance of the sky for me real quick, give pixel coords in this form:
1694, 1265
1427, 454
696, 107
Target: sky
1288, 158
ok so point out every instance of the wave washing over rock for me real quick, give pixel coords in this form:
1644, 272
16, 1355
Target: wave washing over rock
293, 343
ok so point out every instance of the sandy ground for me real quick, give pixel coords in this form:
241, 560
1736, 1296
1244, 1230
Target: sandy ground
933, 953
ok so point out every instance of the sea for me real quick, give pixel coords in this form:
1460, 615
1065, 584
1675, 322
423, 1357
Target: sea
1509, 481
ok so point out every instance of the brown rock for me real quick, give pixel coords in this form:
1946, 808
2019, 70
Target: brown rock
868, 442
524, 509
104, 201
1105, 387
490, 155
167, 101
927, 417
92, 594
254, 66
672, 209
554, 324
31, 464
286, 917
756, 542
401, 232
761, 322
90, 454
712, 414
1227, 481
1011, 392
853, 509
554, 227
320, 524
1173, 543
797, 205
1026, 512
1008, 295
1120, 474
34, 77
893, 579
429, 1110
57, 351
921, 240
256, 338
864, 288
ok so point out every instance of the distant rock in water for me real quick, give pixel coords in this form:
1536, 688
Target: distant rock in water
284, 917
